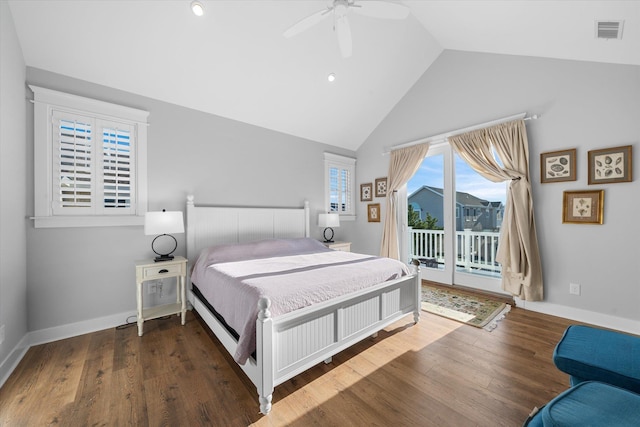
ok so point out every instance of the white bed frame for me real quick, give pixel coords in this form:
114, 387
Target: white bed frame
292, 343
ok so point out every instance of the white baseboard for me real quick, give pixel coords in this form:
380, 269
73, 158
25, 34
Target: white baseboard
584, 316
56, 333
79, 328
10, 363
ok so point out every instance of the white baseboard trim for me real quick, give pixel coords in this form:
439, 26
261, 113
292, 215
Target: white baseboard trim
10, 363
584, 316
56, 333
78, 328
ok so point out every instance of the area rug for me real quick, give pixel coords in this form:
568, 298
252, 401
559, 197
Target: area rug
475, 310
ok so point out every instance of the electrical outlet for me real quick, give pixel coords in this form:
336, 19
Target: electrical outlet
1, 334
574, 288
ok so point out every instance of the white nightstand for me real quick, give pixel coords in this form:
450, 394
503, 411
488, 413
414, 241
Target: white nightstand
339, 246
150, 270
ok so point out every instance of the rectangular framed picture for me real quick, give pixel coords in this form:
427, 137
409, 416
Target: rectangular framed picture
366, 192
558, 166
381, 187
373, 212
610, 165
583, 207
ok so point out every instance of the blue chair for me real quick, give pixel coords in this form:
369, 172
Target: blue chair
590, 404
593, 354
604, 372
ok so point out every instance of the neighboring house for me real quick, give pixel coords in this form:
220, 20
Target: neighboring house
471, 212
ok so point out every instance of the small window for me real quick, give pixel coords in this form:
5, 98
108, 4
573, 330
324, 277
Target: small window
90, 162
340, 172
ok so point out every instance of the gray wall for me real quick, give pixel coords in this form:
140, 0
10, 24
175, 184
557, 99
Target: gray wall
13, 193
584, 105
77, 274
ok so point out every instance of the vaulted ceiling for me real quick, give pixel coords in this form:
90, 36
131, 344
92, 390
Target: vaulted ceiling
234, 61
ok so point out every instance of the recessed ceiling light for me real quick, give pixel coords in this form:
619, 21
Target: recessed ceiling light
331, 77
197, 8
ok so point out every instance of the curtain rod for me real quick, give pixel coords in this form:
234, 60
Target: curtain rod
443, 136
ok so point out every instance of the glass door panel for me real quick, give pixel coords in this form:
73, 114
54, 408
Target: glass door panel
429, 218
479, 209
454, 217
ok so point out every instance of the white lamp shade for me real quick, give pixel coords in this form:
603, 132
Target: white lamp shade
328, 220
163, 223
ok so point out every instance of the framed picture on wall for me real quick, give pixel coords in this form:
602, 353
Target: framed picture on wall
557, 166
373, 212
381, 187
610, 165
366, 192
583, 207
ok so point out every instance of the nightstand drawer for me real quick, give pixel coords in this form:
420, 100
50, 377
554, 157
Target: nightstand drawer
158, 271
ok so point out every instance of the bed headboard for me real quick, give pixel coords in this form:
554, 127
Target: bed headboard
217, 225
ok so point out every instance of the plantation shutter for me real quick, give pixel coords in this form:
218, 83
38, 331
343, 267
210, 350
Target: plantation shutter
73, 158
340, 173
117, 168
94, 166
340, 189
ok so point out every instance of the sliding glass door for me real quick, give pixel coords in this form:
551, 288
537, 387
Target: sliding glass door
454, 217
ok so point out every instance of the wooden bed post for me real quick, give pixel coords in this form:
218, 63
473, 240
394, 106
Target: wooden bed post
264, 349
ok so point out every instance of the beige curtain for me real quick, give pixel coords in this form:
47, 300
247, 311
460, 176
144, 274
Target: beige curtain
518, 249
403, 165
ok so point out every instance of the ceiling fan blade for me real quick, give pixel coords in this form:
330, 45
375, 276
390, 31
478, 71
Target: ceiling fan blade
381, 9
308, 22
343, 31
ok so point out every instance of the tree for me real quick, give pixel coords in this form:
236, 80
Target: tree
415, 222
430, 223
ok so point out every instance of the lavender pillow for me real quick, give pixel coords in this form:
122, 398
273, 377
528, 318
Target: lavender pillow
262, 249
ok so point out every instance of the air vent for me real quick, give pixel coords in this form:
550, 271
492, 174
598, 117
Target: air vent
609, 29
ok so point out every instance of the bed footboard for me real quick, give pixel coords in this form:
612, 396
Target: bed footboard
292, 343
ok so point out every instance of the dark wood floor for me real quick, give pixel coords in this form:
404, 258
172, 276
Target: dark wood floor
435, 373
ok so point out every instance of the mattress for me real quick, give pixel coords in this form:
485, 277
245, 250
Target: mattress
292, 273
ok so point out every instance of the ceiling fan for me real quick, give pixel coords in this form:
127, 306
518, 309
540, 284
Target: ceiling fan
339, 10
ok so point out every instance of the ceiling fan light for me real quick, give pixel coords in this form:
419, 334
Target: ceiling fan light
331, 77
197, 8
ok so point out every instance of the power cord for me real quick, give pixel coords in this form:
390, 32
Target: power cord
129, 324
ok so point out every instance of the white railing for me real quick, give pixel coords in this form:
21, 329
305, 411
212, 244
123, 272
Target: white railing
475, 250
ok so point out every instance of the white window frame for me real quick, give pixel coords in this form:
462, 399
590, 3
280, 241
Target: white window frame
46, 102
343, 163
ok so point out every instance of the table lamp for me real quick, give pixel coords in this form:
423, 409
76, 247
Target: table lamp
162, 224
328, 220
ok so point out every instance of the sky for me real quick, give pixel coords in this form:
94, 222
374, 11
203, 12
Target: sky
466, 180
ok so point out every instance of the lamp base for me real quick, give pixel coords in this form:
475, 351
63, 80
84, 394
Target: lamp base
164, 257
330, 238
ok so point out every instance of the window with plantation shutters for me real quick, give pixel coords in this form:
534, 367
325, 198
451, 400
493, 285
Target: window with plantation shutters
90, 162
339, 185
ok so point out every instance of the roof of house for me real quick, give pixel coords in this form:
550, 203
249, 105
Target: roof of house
462, 198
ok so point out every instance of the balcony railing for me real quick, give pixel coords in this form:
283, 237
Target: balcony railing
475, 250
